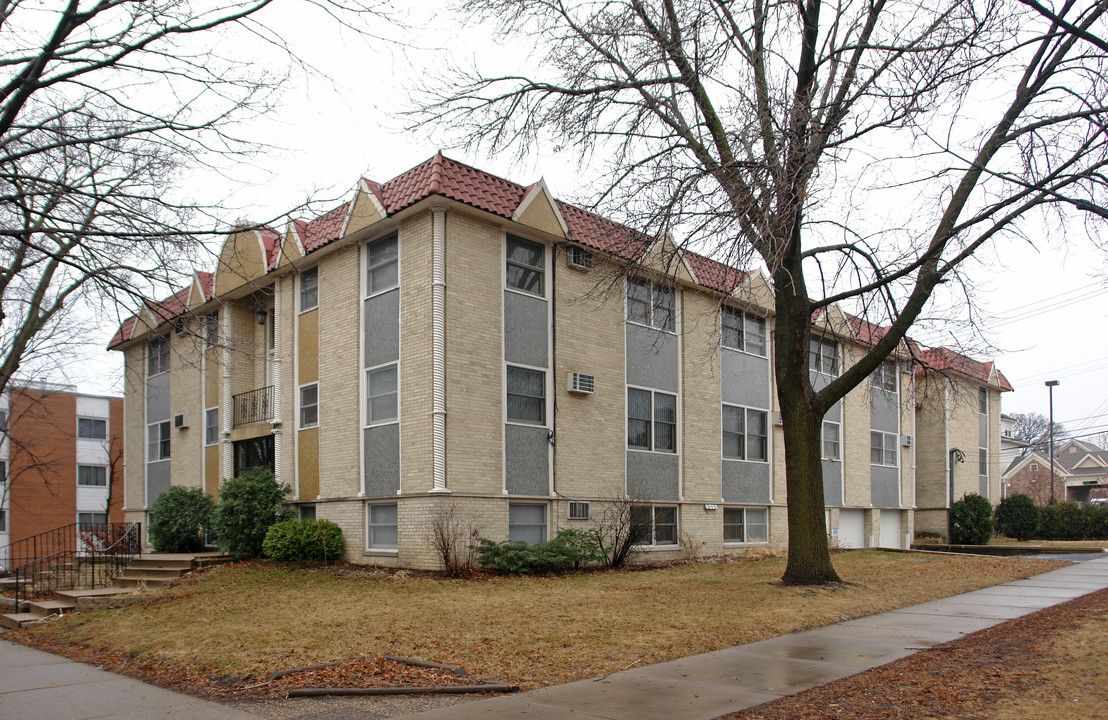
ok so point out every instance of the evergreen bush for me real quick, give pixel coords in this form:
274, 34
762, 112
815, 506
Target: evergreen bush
180, 520
570, 548
971, 520
248, 506
1017, 517
303, 540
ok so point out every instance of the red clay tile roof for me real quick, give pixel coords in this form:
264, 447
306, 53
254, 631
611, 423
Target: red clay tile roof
715, 275
324, 229
865, 331
123, 334
207, 283
452, 179
945, 359
171, 307
600, 233
271, 241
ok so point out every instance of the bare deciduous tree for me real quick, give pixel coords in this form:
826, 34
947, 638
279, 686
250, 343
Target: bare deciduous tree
861, 151
1034, 428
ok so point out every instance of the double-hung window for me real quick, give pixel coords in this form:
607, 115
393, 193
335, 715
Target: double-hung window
743, 331
88, 520
381, 395
157, 357
983, 401
651, 420
309, 289
882, 448
823, 355
381, 526
831, 442
656, 524
526, 396
745, 433
382, 265
527, 523
92, 475
211, 426
983, 462
309, 405
523, 268
650, 303
884, 377
157, 441
92, 429
742, 525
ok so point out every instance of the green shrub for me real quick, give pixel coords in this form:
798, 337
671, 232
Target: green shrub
1017, 516
180, 520
971, 520
1096, 521
570, 548
248, 505
1061, 521
303, 540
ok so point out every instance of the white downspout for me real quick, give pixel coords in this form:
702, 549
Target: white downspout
438, 349
226, 411
278, 385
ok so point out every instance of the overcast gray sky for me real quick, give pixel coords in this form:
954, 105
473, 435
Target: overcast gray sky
1047, 305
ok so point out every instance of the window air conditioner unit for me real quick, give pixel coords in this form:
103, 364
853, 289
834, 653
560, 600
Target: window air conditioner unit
579, 258
181, 421
906, 440
578, 510
581, 383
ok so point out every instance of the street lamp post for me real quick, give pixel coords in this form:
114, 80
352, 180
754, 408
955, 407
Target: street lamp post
1051, 384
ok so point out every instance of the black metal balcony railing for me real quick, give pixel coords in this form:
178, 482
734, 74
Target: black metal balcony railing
253, 406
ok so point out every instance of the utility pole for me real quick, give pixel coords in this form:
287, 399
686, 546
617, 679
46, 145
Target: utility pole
1051, 384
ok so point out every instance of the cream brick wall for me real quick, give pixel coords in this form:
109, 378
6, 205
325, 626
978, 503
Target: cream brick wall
931, 444
994, 446
855, 433
286, 369
590, 452
186, 396
134, 434
964, 435
474, 356
907, 454
241, 341
340, 434
701, 450
416, 461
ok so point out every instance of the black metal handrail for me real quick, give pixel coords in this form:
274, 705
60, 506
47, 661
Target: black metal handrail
77, 555
252, 406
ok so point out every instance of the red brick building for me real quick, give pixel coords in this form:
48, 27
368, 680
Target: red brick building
61, 459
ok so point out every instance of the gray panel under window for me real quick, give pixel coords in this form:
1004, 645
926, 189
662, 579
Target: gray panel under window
884, 410
884, 486
157, 480
157, 398
652, 476
745, 379
525, 329
832, 483
382, 328
382, 460
651, 358
745, 482
526, 460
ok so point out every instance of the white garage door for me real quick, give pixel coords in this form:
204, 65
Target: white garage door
890, 529
850, 529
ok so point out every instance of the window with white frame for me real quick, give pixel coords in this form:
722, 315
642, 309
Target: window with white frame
831, 444
381, 526
211, 330
742, 331
309, 406
823, 355
87, 520
381, 395
92, 475
211, 426
983, 462
526, 395
92, 429
661, 521
157, 441
650, 303
651, 420
157, 356
309, 289
742, 524
884, 377
1033, 467
745, 433
527, 523
382, 265
524, 263
882, 448
983, 401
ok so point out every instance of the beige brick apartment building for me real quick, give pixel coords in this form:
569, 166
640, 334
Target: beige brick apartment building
452, 337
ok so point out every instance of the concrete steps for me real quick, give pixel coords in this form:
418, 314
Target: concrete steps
147, 572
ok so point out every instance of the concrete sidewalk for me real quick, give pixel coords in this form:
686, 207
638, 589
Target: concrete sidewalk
706, 686
40, 686
36, 685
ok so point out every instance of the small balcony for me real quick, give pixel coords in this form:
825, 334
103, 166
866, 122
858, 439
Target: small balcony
252, 406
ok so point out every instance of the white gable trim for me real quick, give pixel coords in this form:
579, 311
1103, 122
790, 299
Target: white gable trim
534, 192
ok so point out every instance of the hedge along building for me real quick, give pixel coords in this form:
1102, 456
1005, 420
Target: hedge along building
450, 337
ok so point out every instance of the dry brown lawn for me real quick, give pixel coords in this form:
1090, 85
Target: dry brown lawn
247, 620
